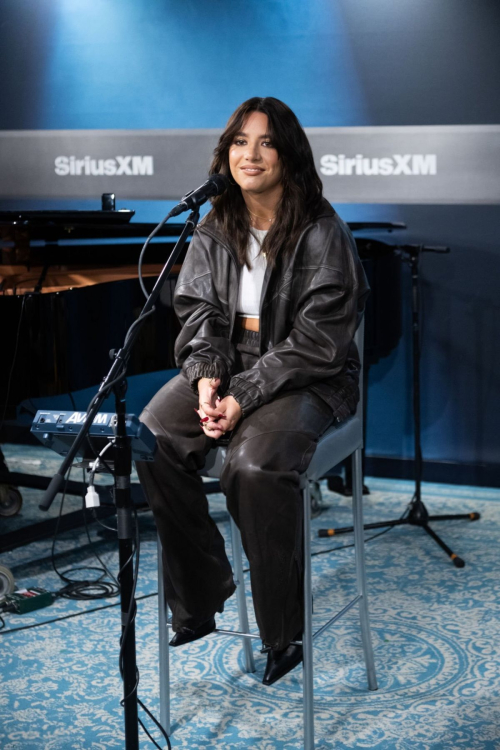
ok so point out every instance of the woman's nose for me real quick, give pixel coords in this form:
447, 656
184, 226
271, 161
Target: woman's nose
253, 153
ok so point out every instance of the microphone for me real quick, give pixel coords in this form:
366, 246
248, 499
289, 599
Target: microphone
215, 185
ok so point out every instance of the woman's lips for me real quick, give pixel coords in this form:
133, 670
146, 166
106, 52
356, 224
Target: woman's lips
252, 170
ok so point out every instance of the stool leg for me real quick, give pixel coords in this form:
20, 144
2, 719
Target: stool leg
163, 638
357, 507
307, 646
240, 595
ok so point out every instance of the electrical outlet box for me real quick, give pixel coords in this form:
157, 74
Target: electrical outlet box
28, 600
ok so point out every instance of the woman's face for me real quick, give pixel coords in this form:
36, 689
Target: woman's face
253, 159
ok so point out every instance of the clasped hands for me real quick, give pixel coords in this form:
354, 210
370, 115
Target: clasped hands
217, 416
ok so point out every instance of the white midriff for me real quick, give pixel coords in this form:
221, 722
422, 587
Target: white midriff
252, 279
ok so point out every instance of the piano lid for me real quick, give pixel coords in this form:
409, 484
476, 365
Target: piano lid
47, 216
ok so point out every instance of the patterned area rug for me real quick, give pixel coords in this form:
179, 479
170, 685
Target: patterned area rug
435, 630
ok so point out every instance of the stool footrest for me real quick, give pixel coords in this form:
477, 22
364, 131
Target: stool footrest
338, 615
223, 631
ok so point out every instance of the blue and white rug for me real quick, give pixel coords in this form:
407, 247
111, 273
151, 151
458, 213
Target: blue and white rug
435, 631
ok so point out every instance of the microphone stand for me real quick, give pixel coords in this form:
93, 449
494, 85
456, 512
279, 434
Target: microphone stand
116, 380
416, 513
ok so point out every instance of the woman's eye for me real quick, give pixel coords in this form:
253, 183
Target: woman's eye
239, 142
268, 144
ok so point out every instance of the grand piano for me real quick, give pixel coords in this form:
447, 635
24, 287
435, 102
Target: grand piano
69, 291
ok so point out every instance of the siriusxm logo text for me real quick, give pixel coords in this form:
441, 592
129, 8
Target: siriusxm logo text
120, 165
397, 164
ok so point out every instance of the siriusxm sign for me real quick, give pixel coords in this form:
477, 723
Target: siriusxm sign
120, 165
387, 166
421, 164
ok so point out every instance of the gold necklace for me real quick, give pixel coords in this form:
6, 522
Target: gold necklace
262, 218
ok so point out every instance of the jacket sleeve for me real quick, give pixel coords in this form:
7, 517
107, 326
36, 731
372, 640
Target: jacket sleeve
323, 327
203, 348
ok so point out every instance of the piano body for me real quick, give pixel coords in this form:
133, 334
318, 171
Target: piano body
68, 293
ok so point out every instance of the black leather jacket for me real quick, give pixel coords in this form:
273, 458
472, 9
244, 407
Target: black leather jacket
310, 306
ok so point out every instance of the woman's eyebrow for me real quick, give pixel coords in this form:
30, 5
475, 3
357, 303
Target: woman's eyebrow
245, 135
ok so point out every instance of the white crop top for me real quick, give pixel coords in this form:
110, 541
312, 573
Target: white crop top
251, 280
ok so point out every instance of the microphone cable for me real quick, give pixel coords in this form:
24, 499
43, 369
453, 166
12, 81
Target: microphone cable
77, 588
142, 253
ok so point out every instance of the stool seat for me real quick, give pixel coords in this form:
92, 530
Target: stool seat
340, 440
334, 445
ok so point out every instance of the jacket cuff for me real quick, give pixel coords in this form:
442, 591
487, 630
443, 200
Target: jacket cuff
206, 370
246, 394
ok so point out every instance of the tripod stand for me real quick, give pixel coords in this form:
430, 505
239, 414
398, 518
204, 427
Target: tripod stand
416, 514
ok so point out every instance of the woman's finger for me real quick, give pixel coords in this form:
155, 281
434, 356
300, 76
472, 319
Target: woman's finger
209, 409
212, 425
225, 425
212, 432
204, 419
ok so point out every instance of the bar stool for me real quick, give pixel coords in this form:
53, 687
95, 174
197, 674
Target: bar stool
337, 443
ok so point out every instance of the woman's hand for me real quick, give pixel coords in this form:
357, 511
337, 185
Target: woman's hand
228, 416
217, 417
208, 406
207, 393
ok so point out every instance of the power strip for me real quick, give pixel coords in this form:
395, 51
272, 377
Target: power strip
23, 601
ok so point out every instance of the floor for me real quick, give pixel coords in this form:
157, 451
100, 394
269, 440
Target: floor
435, 632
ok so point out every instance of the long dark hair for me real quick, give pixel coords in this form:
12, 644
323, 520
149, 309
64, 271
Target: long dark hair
302, 188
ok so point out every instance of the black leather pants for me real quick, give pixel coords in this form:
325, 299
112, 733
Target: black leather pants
267, 452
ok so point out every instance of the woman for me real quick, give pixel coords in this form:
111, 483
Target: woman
269, 297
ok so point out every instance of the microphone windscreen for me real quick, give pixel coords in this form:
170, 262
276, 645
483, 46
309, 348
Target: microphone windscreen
221, 183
